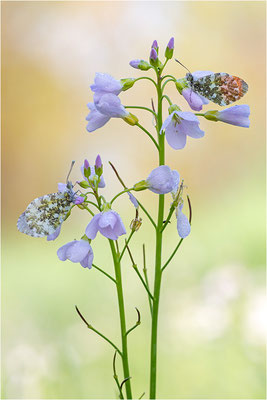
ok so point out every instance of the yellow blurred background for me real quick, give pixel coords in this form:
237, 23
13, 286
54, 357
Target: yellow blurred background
211, 334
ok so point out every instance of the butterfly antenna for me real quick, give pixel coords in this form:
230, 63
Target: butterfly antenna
72, 163
183, 65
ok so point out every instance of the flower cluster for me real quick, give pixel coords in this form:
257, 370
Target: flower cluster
108, 222
179, 124
106, 103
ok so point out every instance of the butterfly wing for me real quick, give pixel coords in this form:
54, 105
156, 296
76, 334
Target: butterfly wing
221, 88
45, 214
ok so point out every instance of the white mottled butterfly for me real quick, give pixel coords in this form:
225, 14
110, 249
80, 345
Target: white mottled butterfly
45, 214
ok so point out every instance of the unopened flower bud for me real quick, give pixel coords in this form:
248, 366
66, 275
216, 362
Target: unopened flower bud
84, 184
140, 64
155, 46
153, 58
98, 166
131, 119
169, 49
86, 169
127, 83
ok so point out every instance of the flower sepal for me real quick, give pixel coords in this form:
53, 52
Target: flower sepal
84, 237
142, 185
131, 119
84, 184
212, 115
173, 107
127, 83
181, 84
140, 64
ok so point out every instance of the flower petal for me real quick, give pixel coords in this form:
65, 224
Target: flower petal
161, 180
92, 228
194, 100
175, 138
110, 105
78, 250
62, 251
183, 225
167, 121
133, 200
235, 115
95, 119
108, 218
88, 260
106, 83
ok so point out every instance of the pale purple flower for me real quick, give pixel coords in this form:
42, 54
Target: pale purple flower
95, 119
194, 99
110, 106
183, 225
108, 223
105, 83
78, 200
178, 125
235, 115
161, 180
54, 235
77, 251
133, 200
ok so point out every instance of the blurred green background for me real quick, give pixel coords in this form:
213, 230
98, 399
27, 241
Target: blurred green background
212, 325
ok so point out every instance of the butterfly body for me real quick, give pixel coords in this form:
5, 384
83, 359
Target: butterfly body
45, 214
220, 88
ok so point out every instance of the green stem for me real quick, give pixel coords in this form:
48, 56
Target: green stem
103, 272
126, 244
157, 280
119, 194
125, 362
167, 81
168, 76
143, 108
147, 214
167, 98
98, 333
146, 277
172, 255
88, 209
147, 78
148, 134
142, 280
